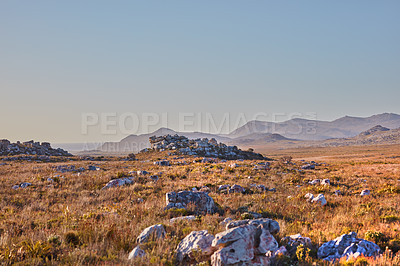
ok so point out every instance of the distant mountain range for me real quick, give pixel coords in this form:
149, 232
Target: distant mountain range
303, 129
346, 130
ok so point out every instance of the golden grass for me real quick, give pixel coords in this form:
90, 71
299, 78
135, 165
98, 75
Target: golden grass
72, 221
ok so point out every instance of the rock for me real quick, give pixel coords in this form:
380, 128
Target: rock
239, 251
234, 245
202, 202
292, 242
226, 221
365, 192
196, 245
136, 252
346, 245
153, 232
93, 168
246, 244
282, 251
308, 167
319, 199
162, 163
223, 187
326, 182
236, 189
154, 178
22, 185
269, 224
142, 173
183, 218
267, 242
315, 182
309, 196
119, 182
261, 188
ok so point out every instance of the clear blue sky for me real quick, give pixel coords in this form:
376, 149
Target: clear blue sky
59, 59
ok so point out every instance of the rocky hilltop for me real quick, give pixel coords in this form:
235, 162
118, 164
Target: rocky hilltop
201, 147
29, 148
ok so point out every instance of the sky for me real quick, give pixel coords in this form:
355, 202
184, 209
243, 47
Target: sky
74, 71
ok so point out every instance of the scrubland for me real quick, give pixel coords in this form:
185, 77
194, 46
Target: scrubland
70, 220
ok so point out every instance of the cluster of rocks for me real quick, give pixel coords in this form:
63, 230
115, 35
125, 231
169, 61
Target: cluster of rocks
244, 242
30, 148
201, 147
320, 199
251, 242
73, 168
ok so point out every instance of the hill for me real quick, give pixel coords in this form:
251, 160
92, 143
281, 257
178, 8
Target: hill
304, 129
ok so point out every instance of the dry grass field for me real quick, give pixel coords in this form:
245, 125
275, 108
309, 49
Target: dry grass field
70, 220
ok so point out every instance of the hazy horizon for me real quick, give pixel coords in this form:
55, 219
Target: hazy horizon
322, 60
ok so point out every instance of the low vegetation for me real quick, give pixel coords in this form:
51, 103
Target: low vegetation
70, 220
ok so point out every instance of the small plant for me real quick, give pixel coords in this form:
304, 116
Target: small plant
71, 238
303, 253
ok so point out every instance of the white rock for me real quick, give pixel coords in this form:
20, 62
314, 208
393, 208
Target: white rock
320, 199
156, 231
365, 192
326, 182
136, 252
196, 241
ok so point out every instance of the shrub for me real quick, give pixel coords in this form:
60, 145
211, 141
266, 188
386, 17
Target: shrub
71, 238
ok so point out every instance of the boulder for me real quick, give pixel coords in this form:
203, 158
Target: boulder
196, 245
155, 232
319, 199
247, 244
119, 182
236, 189
269, 224
347, 245
136, 252
202, 202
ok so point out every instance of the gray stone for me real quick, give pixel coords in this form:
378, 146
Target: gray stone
136, 252
155, 232
202, 202
196, 245
346, 245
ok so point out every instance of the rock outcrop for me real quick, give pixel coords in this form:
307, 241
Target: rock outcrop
30, 148
347, 245
248, 242
201, 147
201, 201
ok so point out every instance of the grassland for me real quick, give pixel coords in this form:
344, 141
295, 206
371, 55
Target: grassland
72, 221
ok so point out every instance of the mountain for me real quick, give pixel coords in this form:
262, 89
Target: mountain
304, 129
292, 133
135, 143
257, 139
376, 135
